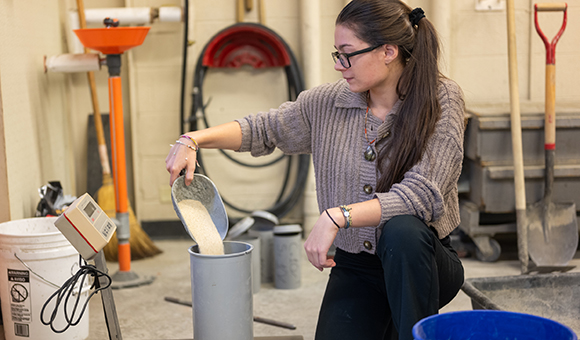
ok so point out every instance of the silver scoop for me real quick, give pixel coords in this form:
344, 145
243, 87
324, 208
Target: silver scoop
203, 190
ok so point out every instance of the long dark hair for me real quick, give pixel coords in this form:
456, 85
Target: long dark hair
387, 22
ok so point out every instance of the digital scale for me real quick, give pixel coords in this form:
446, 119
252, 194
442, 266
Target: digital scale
86, 226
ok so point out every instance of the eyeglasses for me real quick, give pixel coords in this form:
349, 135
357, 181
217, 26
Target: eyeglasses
345, 57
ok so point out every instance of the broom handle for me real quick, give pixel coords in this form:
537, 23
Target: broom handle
249, 5
240, 10
103, 153
261, 13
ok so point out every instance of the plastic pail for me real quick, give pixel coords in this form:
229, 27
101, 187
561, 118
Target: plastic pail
221, 289
490, 325
48, 254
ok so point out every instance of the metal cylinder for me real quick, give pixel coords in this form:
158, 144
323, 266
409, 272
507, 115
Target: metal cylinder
287, 254
256, 272
221, 290
263, 228
266, 254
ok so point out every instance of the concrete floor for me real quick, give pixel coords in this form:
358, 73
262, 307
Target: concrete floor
144, 314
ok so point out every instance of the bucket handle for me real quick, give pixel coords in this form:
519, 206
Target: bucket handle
33, 272
42, 278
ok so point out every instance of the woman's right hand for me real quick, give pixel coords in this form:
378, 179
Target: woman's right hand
182, 156
319, 241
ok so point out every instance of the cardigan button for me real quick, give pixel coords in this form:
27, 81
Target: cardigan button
368, 189
368, 245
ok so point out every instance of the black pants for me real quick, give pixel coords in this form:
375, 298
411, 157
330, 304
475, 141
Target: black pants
376, 297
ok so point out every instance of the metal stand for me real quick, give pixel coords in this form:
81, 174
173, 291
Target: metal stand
128, 279
487, 248
108, 301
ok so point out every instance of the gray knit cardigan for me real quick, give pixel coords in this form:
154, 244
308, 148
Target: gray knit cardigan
329, 122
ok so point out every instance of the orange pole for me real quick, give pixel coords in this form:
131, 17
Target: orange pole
124, 251
118, 144
119, 167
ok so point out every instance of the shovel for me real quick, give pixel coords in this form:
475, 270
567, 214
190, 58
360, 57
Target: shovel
553, 228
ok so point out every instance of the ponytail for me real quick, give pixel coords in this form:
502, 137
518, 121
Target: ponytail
419, 111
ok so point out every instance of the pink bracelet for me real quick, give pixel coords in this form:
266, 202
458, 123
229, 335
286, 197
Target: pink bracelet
191, 139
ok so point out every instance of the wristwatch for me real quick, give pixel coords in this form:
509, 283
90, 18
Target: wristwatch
347, 216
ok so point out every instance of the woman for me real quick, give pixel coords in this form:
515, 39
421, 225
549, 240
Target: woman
387, 147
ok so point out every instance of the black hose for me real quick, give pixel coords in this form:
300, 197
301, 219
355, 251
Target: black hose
295, 86
184, 66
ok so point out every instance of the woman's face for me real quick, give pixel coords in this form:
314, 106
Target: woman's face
368, 70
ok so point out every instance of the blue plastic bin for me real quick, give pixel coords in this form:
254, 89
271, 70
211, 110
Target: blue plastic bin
490, 325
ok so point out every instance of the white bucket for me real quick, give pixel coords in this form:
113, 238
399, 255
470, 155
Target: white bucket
47, 253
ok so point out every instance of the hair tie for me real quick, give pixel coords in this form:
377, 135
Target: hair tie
416, 15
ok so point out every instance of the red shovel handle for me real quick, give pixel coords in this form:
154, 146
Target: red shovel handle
550, 104
550, 47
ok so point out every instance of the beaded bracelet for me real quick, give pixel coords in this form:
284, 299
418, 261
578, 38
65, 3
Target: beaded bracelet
191, 139
347, 215
189, 146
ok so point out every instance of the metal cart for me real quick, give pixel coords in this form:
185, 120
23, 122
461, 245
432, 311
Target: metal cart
487, 184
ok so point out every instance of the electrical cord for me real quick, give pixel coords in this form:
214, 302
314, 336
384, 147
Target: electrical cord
295, 83
64, 293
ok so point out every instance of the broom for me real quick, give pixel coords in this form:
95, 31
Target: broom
141, 244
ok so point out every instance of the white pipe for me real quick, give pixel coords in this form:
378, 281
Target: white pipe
70, 63
126, 16
310, 36
441, 18
74, 44
171, 14
311, 40
134, 15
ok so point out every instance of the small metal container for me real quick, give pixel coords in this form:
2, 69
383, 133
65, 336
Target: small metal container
287, 256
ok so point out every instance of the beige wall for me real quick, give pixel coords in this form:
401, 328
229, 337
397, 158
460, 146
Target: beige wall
479, 55
44, 116
4, 197
35, 105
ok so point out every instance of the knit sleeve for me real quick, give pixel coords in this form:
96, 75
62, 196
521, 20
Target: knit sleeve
425, 188
286, 128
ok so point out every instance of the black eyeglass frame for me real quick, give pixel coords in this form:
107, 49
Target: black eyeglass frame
336, 55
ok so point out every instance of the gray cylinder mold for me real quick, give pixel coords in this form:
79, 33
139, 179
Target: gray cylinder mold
256, 271
263, 228
287, 256
221, 290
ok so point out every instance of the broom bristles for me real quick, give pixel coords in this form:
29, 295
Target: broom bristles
141, 245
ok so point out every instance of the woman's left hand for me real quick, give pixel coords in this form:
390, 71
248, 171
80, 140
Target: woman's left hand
319, 242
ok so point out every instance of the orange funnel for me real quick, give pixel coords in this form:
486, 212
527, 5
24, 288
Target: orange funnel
112, 40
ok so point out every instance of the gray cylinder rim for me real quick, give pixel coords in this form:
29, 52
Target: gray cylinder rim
241, 253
